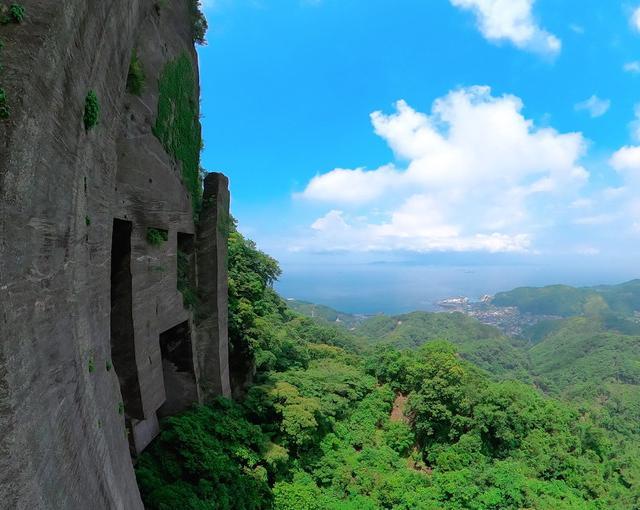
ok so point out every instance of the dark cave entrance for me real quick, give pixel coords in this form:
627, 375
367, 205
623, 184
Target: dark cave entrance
123, 352
178, 370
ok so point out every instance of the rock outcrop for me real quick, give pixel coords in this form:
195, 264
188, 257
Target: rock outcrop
112, 298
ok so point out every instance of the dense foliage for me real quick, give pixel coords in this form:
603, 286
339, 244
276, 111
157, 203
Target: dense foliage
483, 345
328, 425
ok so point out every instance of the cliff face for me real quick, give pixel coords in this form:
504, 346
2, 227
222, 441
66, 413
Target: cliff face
112, 300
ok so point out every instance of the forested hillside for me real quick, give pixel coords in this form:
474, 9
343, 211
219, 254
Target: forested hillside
427, 418
567, 301
325, 314
483, 345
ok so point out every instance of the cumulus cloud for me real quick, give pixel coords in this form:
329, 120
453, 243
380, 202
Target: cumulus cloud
511, 20
352, 186
473, 174
635, 19
595, 106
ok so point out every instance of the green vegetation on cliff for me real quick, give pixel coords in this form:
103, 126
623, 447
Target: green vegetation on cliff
91, 110
199, 23
328, 424
135, 76
14, 13
178, 125
4, 105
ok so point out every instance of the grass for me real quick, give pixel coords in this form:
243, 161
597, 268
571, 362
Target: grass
91, 110
87, 221
136, 77
178, 126
155, 237
108, 365
92, 366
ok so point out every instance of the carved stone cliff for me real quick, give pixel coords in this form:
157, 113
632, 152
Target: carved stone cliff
113, 303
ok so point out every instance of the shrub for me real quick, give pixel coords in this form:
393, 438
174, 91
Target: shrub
155, 237
15, 13
91, 110
136, 76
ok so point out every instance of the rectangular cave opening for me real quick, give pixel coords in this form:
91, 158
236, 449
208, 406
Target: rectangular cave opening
185, 262
178, 369
123, 353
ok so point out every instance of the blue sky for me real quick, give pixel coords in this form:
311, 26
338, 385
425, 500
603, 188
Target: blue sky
376, 130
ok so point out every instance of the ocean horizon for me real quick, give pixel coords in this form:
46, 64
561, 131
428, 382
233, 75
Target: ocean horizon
392, 288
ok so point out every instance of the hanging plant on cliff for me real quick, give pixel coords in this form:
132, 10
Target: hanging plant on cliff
91, 110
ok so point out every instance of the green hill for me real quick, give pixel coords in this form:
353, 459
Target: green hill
325, 313
566, 301
483, 345
584, 361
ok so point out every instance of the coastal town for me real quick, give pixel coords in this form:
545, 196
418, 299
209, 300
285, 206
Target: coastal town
508, 319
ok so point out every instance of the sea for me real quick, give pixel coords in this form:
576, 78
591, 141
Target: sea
393, 288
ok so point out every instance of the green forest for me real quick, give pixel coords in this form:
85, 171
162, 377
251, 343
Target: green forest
423, 411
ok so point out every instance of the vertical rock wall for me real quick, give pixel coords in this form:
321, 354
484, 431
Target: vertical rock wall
213, 338
93, 329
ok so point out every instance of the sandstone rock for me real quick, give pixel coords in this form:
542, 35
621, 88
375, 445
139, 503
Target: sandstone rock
93, 331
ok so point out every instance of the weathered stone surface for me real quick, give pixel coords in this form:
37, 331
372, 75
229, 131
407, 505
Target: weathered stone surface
212, 344
66, 426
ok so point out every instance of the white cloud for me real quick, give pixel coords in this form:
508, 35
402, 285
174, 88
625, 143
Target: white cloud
476, 175
595, 106
511, 20
635, 19
626, 159
632, 67
352, 186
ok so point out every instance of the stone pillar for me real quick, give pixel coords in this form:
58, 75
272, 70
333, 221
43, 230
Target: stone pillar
212, 316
